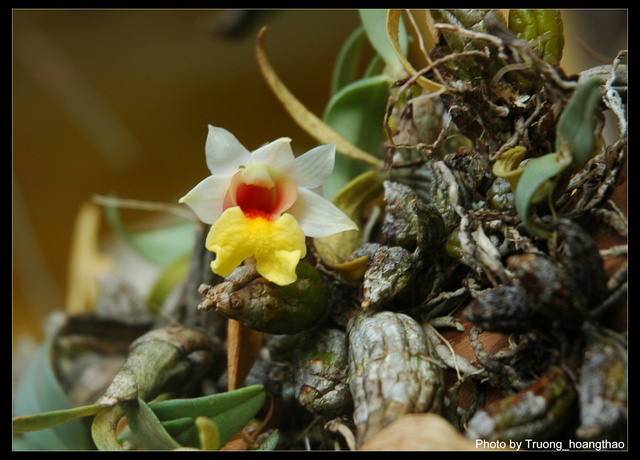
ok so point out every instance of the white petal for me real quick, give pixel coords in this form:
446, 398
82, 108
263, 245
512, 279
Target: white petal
318, 216
224, 152
206, 198
276, 154
313, 168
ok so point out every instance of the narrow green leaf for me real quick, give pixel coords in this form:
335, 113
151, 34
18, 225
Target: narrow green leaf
536, 175
345, 70
147, 429
229, 411
233, 420
374, 22
182, 430
44, 420
357, 112
103, 428
575, 145
38, 392
271, 442
170, 277
375, 67
178, 426
208, 406
575, 126
161, 245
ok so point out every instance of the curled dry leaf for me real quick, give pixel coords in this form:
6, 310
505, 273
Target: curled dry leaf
393, 22
308, 121
419, 432
86, 262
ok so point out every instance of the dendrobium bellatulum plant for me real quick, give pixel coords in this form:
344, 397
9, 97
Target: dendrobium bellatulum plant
263, 204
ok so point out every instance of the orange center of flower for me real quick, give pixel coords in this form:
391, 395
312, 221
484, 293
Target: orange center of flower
255, 198
259, 194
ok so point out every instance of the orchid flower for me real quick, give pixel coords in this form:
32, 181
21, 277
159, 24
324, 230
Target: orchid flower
263, 204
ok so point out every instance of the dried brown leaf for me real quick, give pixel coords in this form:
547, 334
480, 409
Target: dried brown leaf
419, 432
322, 132
243, 346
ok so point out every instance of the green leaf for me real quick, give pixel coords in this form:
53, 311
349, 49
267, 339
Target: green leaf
271, 442
375, 67
44, 420
182, 430
39, 392
543, 29
162, 245
147, 429
232, 421
208, 406
178, 426
103, 428
375, 24
575, 126
357, 113
537, 174
345, 70
229, 411
171, 276
575, 145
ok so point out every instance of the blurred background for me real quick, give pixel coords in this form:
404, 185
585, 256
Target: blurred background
119, 101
